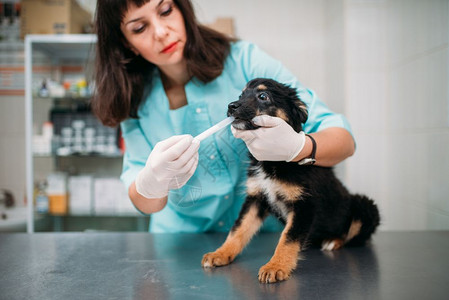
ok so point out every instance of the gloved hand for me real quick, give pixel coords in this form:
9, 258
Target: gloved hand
169, 166
275, 140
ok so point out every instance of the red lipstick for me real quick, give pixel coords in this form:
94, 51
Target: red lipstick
170, 48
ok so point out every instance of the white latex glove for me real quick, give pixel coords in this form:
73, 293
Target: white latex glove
169, 166
274, 141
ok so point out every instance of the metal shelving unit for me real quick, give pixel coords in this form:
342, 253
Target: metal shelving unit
58, 49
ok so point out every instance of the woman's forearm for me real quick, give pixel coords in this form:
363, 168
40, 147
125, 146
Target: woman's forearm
333, 146
145, 205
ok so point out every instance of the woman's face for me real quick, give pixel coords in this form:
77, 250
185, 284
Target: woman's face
156, 31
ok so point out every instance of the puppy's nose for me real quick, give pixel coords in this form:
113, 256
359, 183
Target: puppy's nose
232, 107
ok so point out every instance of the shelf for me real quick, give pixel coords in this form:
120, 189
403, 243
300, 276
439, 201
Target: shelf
67, 97
119, 155
64, 46
55, 50
6, 46
60, 53
109, 215
93, 223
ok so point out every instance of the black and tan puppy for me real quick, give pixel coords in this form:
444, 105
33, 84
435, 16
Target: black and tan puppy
314, 205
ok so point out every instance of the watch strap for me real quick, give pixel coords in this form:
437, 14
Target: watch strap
311, 159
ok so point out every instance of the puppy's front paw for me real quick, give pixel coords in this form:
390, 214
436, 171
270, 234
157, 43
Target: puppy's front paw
216, 259
273, 272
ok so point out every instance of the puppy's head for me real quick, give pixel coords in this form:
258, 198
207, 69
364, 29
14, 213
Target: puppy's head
263, 96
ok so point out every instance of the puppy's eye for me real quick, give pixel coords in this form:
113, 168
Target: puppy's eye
263, 96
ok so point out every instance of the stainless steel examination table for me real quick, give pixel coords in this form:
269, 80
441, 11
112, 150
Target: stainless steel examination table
396, 265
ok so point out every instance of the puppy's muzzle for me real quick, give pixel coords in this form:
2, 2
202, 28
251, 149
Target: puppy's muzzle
242, 116
232, 107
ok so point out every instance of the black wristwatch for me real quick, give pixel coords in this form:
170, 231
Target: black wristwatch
308, 161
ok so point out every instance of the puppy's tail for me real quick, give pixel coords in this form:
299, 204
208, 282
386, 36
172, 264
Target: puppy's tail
366, 218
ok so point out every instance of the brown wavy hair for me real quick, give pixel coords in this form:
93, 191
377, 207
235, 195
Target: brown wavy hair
120, 75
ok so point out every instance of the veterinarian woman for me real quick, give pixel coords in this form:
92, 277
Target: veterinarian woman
165, 78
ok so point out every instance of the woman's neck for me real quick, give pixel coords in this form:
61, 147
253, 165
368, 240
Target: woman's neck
174, 76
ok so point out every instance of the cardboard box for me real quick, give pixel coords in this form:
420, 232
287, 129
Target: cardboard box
53, 17
223, 25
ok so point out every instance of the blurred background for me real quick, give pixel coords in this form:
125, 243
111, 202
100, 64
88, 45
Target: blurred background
382, 63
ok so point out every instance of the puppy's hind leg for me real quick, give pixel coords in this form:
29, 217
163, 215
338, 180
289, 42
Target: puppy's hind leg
332, 244
248, 223
366, 219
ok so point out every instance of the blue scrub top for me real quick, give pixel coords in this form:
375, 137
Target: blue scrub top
212, 198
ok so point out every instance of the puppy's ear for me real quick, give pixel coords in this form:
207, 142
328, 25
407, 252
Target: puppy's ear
303, 114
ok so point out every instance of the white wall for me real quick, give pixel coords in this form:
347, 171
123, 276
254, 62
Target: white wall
12, 146
397, 101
